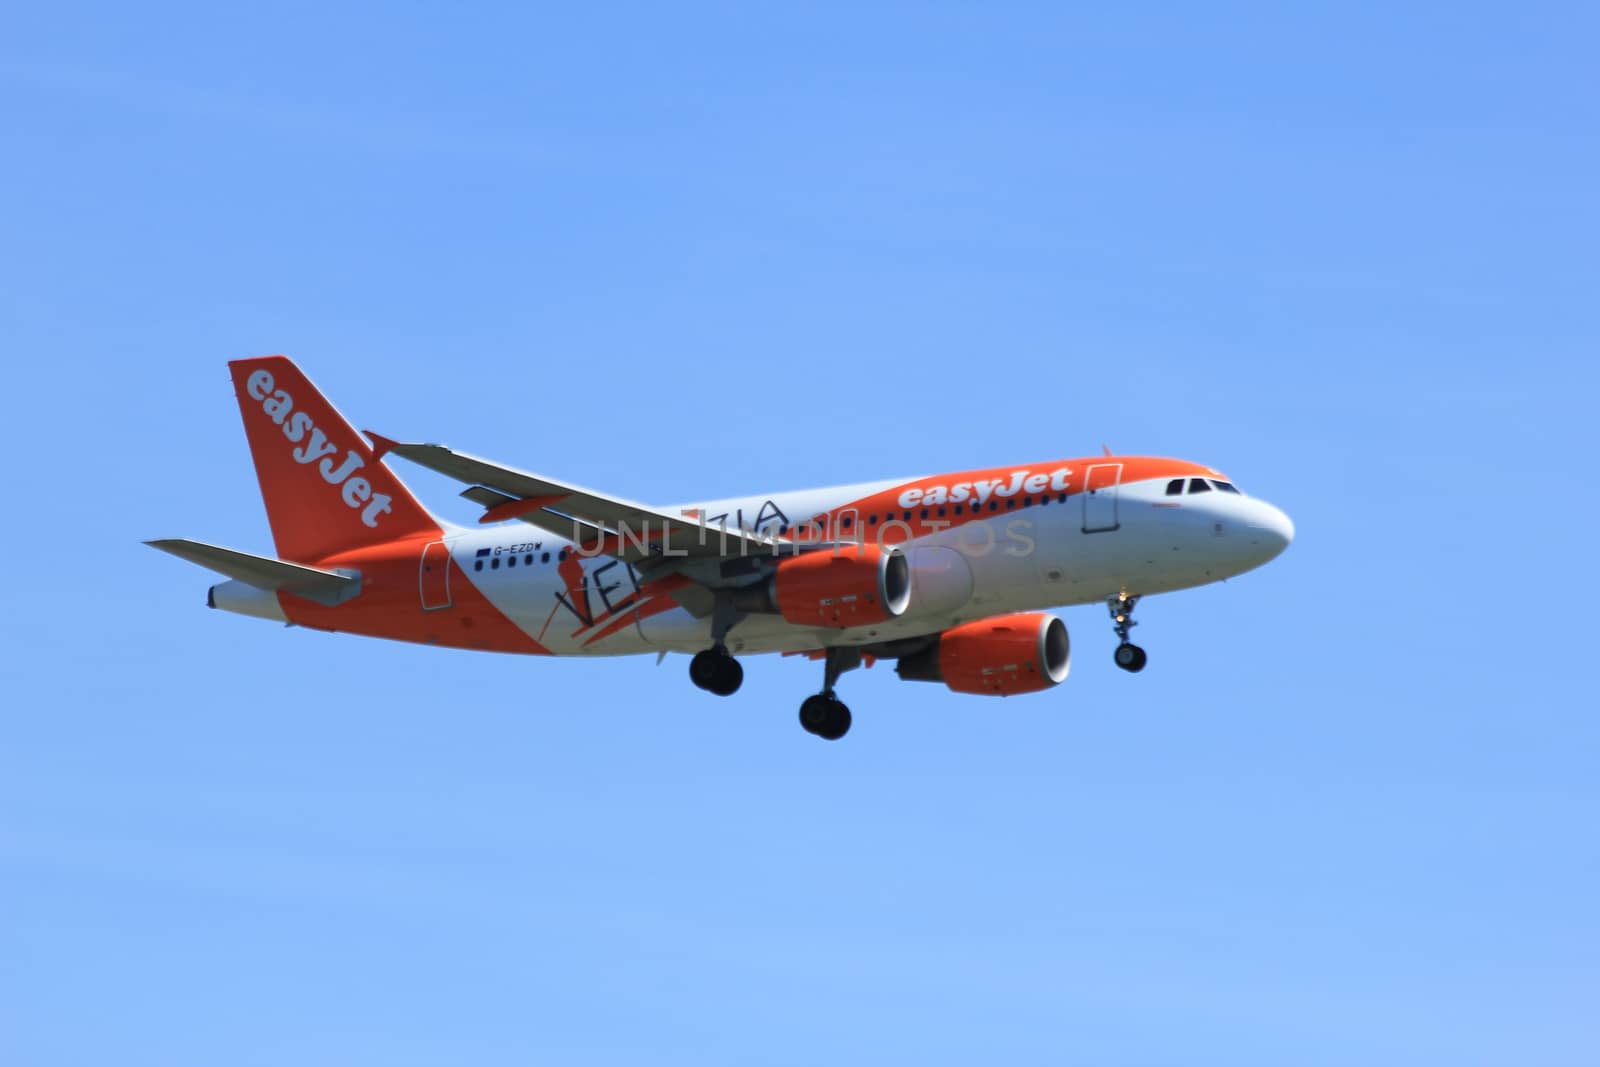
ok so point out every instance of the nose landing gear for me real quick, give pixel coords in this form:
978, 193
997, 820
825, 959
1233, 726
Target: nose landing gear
1130, 657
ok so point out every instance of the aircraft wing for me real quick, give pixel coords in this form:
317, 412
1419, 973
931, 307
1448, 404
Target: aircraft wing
622, 528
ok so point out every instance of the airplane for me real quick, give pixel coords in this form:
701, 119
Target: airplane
949, 575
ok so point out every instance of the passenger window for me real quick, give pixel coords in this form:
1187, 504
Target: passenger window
1175, 487
494, 564
924, 513
477, 564
1198, 485
544, 558
1226, 487
848, 520
527, 561
872, 520
511, 561
941, 513
1062, 499
958, 509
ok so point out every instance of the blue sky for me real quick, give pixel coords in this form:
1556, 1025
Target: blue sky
1347, 816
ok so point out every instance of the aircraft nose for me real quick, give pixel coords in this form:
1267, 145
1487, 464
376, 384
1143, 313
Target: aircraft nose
1270, 528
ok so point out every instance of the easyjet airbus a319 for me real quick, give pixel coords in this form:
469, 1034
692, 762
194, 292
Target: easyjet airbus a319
946, 574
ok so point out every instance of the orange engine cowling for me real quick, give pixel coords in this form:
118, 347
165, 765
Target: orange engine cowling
1007, 654
856, 586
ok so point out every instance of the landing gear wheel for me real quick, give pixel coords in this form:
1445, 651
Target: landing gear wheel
825, 716
730, 676
1130, 658
716, 672
813, 713
703, 668
823, 713
838, 723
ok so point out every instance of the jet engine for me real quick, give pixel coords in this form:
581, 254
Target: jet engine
1007, 654
857, 585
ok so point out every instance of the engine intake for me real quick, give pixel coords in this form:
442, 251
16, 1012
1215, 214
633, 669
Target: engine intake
1007, 654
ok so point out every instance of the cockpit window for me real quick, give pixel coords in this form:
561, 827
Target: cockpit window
1226, 487
1175, 487
1198, 485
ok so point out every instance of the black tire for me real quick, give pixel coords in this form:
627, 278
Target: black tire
838, 722
703, 668
729, 677
1130, 658
814, 713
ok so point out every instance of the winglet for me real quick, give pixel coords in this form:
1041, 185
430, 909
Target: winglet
381, 445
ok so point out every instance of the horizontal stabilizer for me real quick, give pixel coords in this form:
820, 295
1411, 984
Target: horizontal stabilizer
323, 587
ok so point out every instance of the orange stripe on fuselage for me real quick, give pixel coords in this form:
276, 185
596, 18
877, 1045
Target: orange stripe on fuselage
390, 604
887, 506
655, 598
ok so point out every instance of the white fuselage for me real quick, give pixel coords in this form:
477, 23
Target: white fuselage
1130, 538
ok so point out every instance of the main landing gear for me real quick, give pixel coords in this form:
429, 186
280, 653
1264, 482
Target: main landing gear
1130, 657
823, 713
716, 672
713, 669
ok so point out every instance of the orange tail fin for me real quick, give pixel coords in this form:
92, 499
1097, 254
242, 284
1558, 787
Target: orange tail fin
325, 490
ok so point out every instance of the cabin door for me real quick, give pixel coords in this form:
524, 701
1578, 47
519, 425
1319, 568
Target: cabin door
433, 576
1100, 484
